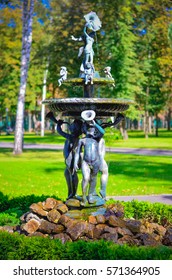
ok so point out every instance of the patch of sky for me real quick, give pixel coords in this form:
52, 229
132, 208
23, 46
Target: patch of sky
12, 23
40, 20
102, 32
46, 3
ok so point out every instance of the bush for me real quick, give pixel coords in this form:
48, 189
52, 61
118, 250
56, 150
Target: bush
155, 212
20, 247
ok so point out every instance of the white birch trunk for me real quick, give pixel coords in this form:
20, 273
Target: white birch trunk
44, 91
28, 7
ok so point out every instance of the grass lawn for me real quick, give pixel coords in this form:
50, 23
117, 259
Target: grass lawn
41, 172
112, 138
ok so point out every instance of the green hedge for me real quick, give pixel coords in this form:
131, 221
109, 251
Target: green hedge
20, 247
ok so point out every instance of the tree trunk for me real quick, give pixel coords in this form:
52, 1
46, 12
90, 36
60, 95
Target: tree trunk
146, 124
30, 121
169, 119
123, 129
43, 97
28, 7
156, 128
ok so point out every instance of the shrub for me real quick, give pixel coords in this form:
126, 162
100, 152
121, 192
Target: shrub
155, 212
20, 247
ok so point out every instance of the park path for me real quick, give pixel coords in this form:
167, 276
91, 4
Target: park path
136, 151
163, 198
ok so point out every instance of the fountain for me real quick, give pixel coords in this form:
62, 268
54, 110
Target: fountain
89, 116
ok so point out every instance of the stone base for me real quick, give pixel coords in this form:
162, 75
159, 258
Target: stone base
77, 202
52, 218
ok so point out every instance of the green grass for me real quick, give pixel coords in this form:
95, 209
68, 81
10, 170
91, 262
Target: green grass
41, 173
112, 138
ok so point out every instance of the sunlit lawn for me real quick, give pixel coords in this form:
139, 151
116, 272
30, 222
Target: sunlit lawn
112, 138
41, 172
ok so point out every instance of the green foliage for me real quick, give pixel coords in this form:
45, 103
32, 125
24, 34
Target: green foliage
155, 212
11, 218
19, 247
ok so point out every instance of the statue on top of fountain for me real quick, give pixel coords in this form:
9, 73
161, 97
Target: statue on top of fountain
93, 24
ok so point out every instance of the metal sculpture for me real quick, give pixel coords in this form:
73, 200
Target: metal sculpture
84, 148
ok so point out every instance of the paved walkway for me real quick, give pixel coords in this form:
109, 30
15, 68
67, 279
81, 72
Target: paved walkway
145, 152
164, 198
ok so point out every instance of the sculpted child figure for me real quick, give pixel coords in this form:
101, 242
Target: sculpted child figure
92, 160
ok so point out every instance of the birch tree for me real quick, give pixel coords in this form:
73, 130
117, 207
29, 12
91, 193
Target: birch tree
27, 17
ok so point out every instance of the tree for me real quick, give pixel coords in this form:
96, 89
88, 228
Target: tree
27, 17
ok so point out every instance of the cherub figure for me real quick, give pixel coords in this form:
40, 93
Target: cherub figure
108, 73
93, 158
89, 73
63, 75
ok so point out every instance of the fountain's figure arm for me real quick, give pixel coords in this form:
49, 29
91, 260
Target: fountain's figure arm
80, 39
118, 119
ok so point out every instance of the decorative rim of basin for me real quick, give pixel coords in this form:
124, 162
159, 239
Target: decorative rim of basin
96, 81
74, 106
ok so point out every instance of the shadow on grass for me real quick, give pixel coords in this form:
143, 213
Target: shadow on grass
140, 134
142, 170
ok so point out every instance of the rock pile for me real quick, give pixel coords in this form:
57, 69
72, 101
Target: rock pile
51, 218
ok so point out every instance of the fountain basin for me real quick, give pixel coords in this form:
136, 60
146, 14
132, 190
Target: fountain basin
104, 107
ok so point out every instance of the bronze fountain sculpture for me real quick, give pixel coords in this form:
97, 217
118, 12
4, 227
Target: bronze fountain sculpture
88, 114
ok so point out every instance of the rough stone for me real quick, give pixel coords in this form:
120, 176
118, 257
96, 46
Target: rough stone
30, 216
115, 221
47, 227
23, 217
73, 202
167, 239
100, 219
123, 231
127, 239
9, 229
147, 239
53, 216
50, 203
63, 237
159, 229
31, 226
62, 208
77, 230
58, 229
38, 210
112, 230
134, 225
109, 236
37, 233
97, 232
117, 209
85, 238
90, 232
92, 220
64, 220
